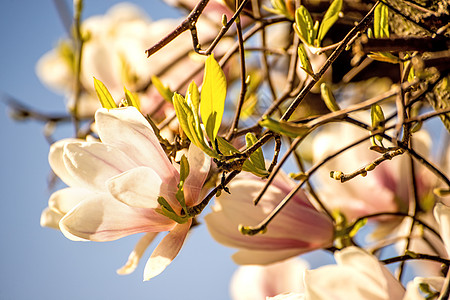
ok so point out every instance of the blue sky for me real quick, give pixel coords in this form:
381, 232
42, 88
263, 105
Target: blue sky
40, 263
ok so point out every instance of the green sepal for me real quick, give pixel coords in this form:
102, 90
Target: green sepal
214, 90
184, 168
167, 210
331, 16
286, 128
163, 90
328, 97
103, 95
131, 99
305, 64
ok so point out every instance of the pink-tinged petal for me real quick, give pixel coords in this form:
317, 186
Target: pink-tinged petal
62, 201
129, 131
254, 282
442, 215
102, 218
298, 226
369, 267
135, 256
93, 163
261, 257
55, 159
139, 187
50, 218
288, 296
199, 164
413, 287
167, 250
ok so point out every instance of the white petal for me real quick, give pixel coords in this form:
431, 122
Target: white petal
139, 187
55, 159
62, 201
442, 215
199, 164
128, 130
135, 256
93, 163
258, 282
167, 250
51, 219
102, 218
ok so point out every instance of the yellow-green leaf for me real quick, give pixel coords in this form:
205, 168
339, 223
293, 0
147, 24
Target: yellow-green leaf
286, 128
305, 64
103, 95
304, 24
328, 97
163, 90
257, 157
214, 90
380, 22
131, 99
331, 16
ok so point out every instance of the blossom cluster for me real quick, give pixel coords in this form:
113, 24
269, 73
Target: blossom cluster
365, 178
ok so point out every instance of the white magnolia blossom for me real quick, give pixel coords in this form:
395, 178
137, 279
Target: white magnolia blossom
114, 187
385, 189
114, 53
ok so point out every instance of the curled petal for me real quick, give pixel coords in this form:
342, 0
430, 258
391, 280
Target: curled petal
93, 163
166, 251
139, 187
102, 218
199, 164
127, 129
55, 159
135, 256
51, 219
62, 201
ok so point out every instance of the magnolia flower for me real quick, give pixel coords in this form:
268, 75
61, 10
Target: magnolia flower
253, 282
358, 275
114, 187
298, 228
114, 53
385, 189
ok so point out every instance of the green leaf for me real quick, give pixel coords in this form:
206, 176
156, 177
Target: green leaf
131, 99
377, 117
103, 95
380, 22
331, 16
228, 149
384, 57
214, 90
182, 110
305, 64
286, 128
184, 168
328, 97
257, 157
163, 90
304, 24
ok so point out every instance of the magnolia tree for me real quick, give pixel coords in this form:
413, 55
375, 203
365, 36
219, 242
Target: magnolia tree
171, 116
